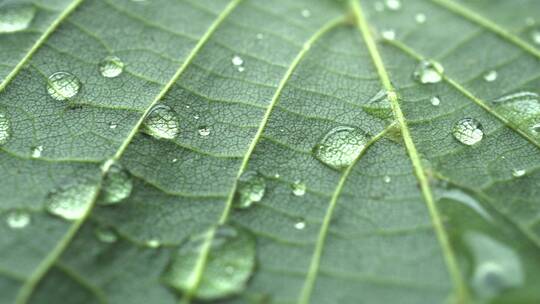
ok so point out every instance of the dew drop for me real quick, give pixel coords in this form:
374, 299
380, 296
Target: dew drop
241, 69
174, 160
63, 85
106, 235
16, 17
435, 100
153, 243
428, 72
111, 66
71, 202
379, 105
490, 76
535, 36
393, 5
204, 131
113, 125
389, 34
298, 188
117, 186
161, 123
387, 179
468, 131
37, 151
17, 219
250, 188
230, 263
237, 60
306, 13
340, 147
522, 108
518, 172
300, 224
535, 129
420, 18
5, 128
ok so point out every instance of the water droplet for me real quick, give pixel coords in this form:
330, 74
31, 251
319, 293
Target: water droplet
306, 13
117, 186
106, 235
153, 243
241, 69
393, 5
17, 219
63, 85
420, 18
174, 160
250, 188
435, 100
521, 108
535, 36
298, 188
111, 66
379, 105
204, 131
237, 60
518, 172
5, 128
16, 17
113, 125
71, 202
468, 131
230, 262
428, 72
387, 179
340, 147
161, 123
300, 224
260, 36
389, 34
36, 151
490, 76
535, 129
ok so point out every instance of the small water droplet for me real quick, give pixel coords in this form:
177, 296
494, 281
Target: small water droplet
298, 188
63, 85
260, 36
71, 202
161, 123
196, 117
300, 224
36, 151
490, 76
153, 243
518, 172
16, 17
174, 160
106, 235
535, 36
241, 69
387, 179
468, 131
389, 34
435, 100
17, 219
111, 66
5, 128
250, 188
420, 18
117, 186
113, 125
277, 175
428, 72
535, 129
306, 13
204, 131
393, 5
237, 60
340, 147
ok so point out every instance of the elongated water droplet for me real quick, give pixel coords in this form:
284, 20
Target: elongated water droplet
298, 188
468, 131
16, 17
111, 66
117, 186
63, 85
17, 219
36, 151
393, 5
420, 18
250, 188
161, 123
435, 100
490, 76
71, 202
428, 72
204, 131
5, 127
153, 243
106, 235
230, 262
518, 172
340, 147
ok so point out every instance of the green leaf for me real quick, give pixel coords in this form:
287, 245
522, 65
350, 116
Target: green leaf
364, 151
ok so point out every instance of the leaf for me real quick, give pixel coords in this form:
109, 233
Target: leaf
435, 201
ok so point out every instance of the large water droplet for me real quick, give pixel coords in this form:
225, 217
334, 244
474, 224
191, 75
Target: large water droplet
16, 17
17, 219
428, 72
298, 188
491, 76
117, 186
161, 123
63, 85
106, 235
340, 147
229, 264
521, 108
250, 188
111, 66
71, 202
379, 105
5, 127
468, 131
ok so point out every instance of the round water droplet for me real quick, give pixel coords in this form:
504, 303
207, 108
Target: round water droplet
106, 235
535, 36
468, 131
389, 34
36, 151
518, 172
63, 85
306, 13
111, 66
237, 60
16, 17
161, 123
420, 18
300, 224
230, 263
71, 202
435, 100
204, 131
17, 219
393, 5
387, 179
117, 186
340, 147
250, 188
5, 128
428, 72
490, 76
298, 188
